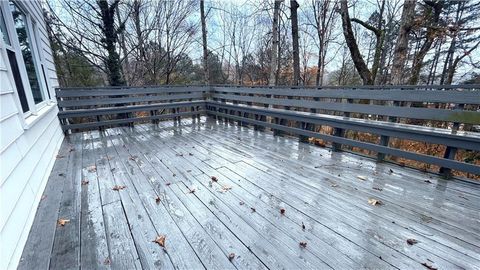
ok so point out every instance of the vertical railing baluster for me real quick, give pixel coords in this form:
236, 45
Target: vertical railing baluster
385, 140
340, 132
450, 151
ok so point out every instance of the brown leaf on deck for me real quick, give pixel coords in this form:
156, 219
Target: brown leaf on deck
191, 190
134, 158
117, 188
428, 266
157, 199
85, 182
303, 244
412, 241
253, 209
374, 201
214, 179
231, 256
241, 203
92, 168
427, 181
62, 221
60, 156
390, 171
179, 155
282, 211
168, 184
334, 185
303, 226
225, 189
378, 188
190, 154
160, 240
107, 261
71, 149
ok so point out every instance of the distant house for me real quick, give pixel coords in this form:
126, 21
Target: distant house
29, 128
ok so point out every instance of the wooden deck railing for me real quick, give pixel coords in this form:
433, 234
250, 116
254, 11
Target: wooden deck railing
431, 114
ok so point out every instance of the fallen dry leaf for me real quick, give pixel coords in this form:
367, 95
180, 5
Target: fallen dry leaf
60, 156
190, 154
225, 189
374, 202
179, 155
117, 188
426, 218
282, 211
303, 226
134, 158
92, 168
85, 182
428, 181
112, 169
361, 177
160, 240
241, 203
157, 199
191, 190
411, 241
168, 184
303, 244
107, 261
378, 188
214, 179
62, 221
390, 171
71, 149
253, 209
334, 185
428, 266
231, 256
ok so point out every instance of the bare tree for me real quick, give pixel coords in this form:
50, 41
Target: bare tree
357, 57
401, 48
204, 41
296, 57
275, 42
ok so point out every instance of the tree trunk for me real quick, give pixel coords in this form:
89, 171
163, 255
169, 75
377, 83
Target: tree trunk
275, 41
401, 49
204, 43
112, 62
352, 45
296, 58
430, 38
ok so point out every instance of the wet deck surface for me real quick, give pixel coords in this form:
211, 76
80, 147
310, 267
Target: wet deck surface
237, 221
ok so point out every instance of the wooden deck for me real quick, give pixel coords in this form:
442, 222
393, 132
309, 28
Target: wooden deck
167, 170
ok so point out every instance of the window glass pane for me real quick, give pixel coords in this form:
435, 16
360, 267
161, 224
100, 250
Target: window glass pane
3, 29
20, 22
18, 80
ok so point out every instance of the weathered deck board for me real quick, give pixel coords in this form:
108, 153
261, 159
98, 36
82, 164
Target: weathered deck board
318, 189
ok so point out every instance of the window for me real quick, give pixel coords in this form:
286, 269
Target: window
3, 29
18, 34
23, 34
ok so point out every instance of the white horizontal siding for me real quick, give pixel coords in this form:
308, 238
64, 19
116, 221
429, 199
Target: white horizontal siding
27, 155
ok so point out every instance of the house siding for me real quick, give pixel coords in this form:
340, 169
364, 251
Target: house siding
27, 152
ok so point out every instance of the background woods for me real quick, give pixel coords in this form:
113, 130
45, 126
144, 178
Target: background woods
310, 42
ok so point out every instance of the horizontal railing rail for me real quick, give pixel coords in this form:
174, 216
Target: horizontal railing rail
87, 108
443, 115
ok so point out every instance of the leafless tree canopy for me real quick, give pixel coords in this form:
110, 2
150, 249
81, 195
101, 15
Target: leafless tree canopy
275, 42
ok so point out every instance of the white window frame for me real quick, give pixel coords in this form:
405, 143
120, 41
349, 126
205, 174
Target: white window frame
15, 47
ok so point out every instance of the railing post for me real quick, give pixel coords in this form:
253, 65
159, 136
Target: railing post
384, 140
340, 132
450, 152
308, 126
263, 118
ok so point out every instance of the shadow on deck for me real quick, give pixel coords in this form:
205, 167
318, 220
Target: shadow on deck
269, 195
